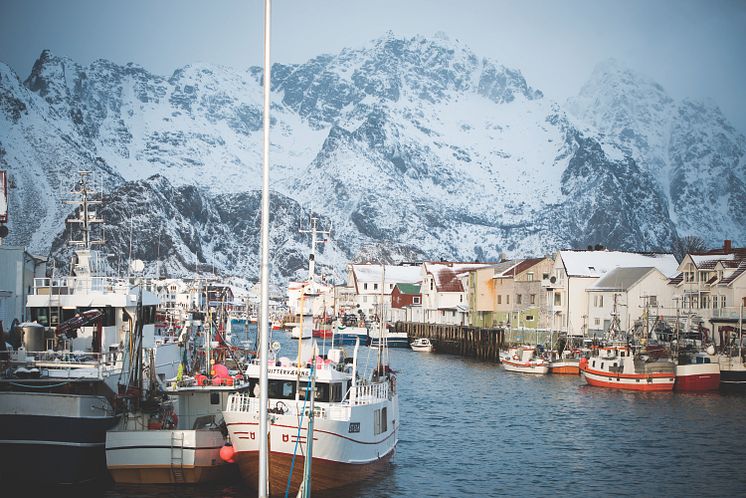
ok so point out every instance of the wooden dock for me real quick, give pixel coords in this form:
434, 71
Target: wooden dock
473, 342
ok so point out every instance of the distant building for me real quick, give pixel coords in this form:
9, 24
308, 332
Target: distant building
628, 293
444, 294
575, 272
374, 283
406, 303
18, 268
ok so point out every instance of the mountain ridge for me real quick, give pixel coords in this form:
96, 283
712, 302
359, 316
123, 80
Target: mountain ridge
409, 147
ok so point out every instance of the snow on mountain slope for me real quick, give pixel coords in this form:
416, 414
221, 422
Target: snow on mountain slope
695, 155
409, 147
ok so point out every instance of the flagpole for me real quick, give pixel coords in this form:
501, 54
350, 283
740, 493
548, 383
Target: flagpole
263, 488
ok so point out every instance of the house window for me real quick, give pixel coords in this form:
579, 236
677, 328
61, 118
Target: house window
688, 276
499, 299
365, 286
507, 299
518, 299
714, 302
431, 284
653, 300
530, 276
705, 302
595, 301
461, 298
545, 276
557, 299
532, 298
453, 313
365, 299
416, 300
529, 318
601, 301
722, 301
597, 321
391, 286
704, 276
375, 286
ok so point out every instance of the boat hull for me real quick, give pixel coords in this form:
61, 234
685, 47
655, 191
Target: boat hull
732, 373
325, 474
697, 377
166, 456
61, 433
513, 366
630, 382
564, 367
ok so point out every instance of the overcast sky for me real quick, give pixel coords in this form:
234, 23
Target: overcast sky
695, 49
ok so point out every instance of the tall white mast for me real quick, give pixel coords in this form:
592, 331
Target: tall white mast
263, 324
312, 257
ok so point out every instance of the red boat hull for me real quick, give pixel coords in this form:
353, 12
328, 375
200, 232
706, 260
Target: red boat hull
698, 382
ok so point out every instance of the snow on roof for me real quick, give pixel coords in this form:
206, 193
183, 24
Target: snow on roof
621, 279
446, 274
597, 263
701, 260
394, 274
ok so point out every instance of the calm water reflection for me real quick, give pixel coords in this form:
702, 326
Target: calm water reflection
470, 429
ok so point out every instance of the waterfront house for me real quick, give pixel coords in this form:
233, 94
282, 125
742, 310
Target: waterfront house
630, 294
406, 303
712, 287
444, 296
373, 284
481, 294
574, 272
528, 304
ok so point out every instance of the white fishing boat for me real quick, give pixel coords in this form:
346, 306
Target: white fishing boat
422, 345
58, 386
175, 442
523, 359
356, 422
174, 434
391, 338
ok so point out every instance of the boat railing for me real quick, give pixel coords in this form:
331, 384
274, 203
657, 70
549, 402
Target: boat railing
74, 285
59, 361
242, 402
363, 394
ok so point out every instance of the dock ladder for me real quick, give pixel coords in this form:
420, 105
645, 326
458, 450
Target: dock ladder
177, 456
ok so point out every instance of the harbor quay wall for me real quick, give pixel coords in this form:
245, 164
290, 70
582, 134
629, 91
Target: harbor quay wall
474, 342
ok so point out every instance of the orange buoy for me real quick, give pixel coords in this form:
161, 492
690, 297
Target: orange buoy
227, 452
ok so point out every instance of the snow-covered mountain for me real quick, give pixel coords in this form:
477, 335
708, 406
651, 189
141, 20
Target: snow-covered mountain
409, 148
697, 158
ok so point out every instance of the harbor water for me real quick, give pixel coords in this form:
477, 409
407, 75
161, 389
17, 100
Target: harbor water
469, 428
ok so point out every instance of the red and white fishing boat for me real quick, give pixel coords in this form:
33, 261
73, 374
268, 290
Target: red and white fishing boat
523, 359
565, 363
697, 372
616, 367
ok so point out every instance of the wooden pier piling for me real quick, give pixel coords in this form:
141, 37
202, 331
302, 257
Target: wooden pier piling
473, 342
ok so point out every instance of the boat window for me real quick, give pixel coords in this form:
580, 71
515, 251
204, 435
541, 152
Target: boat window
40, 315
214, 398
204, 422
622, 353
602, 364
281, 389
384, 420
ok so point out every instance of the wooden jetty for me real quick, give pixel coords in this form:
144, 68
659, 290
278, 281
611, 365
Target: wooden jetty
474, 342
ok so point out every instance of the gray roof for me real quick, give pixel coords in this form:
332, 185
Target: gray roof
621, 279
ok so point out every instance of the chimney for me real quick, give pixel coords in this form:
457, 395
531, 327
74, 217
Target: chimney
727, 246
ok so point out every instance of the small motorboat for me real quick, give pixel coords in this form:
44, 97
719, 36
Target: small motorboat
422, 345
524, 359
